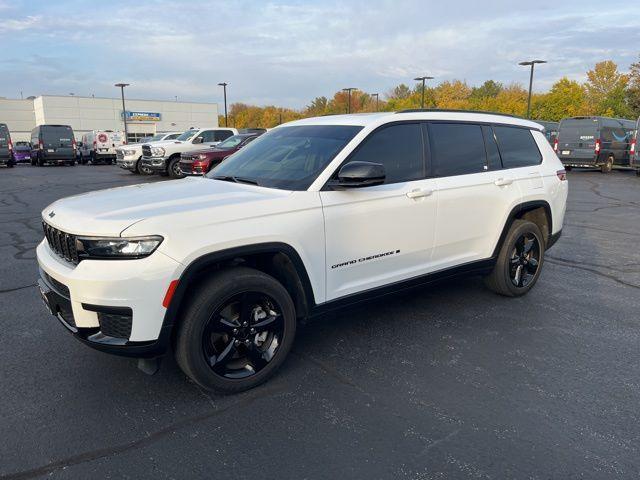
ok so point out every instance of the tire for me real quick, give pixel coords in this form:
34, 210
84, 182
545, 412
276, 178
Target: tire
568, 168
173, 169
637, 173
40, 162
513, 254
142, 169
72, 163
200, 346
608, 165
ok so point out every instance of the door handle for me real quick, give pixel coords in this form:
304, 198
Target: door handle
418, 193
503, 181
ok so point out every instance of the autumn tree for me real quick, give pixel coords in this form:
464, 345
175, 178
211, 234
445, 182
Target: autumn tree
567, 98
633, 89
606, 90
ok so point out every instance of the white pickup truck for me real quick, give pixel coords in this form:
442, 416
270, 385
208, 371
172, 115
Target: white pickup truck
129, 156
164, 157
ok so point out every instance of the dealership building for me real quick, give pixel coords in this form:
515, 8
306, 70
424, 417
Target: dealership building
83, 114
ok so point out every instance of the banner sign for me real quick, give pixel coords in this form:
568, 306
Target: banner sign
142, 116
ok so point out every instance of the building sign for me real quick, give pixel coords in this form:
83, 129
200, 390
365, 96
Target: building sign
142, 116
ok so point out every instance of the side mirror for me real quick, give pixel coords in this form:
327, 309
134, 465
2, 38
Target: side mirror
359, 174
198, 140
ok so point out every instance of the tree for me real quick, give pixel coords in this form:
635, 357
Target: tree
488, 89
452, 95
567, 98
633, 89
318, 106
400, 92
606, 90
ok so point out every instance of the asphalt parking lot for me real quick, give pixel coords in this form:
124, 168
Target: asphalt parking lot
449, 381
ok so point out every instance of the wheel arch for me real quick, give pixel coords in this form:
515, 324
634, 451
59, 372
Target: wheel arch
537, 211
277, 259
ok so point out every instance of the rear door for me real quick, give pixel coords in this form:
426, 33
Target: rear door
57, 141
475, 194
5, 142
577, 140
381, 234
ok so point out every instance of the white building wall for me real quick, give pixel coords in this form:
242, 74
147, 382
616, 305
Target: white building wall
19, 117
88, 113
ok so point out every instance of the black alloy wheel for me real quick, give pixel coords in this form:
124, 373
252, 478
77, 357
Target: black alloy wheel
243, 335
525, 260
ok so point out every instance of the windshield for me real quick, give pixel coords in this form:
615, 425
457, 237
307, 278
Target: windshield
230, 142
188, 135
288, 158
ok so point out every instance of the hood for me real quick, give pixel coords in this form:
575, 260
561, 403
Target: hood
164, 143
110, 212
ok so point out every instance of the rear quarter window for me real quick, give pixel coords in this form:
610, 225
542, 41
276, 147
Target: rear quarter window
517, 147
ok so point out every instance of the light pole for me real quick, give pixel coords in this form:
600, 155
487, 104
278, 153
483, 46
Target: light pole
526, 64
349, 101
224, 88
423, 79
124, 110
377, 98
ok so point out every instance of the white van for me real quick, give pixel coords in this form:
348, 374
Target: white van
99, 146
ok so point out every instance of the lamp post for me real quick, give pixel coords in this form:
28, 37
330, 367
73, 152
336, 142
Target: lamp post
349, 100
124, 110
377, 98
224, 88
526, 64
423, 80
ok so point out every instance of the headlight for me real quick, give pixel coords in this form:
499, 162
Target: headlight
114, 248
127, 153
157, 151
202, 157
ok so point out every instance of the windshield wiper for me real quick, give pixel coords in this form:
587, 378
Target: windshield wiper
231, 178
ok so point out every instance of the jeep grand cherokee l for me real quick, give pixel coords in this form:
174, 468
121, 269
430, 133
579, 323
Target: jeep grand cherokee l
313, 215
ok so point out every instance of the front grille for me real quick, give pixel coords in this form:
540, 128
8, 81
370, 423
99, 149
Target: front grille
63, 244
146, 150
115, 325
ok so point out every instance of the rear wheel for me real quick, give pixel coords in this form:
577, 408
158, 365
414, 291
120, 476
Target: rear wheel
608, 165
519, 262
568, 168
236, 331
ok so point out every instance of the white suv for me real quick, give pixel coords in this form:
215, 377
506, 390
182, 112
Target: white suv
129, 156
164, 157
313, 215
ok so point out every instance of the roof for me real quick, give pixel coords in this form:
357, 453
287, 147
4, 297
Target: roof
374, 119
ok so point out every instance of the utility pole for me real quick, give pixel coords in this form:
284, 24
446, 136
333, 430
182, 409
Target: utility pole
124, 110
423, 79
224, 88
349, 101
377, 98
526, 64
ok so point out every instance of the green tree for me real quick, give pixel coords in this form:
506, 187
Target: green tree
606, 90
488, 89
633, 89
567, 98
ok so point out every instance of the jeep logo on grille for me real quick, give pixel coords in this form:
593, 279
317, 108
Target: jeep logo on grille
52, 214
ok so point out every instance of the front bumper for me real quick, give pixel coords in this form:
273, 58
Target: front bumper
127, 163
155, 164
87, 296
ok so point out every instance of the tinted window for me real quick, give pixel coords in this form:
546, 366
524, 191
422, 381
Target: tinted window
57, 135
517, 147
220, 135
456, 149
493, 156
398, 148
172, 136
288, 158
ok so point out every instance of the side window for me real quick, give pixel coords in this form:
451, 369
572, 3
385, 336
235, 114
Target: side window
517, 147
493, 156
172, 136
207, 136
220, 135
399, 148
456, 149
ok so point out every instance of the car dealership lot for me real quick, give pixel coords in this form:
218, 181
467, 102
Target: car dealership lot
445, 381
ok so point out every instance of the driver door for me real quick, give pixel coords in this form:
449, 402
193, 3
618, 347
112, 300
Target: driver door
382, 234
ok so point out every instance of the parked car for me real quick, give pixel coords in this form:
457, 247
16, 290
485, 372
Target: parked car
201, 161
99, 146
53, 144
6, 147
594, 142
550, 130
22, 152
317, 214
129, 156
634, 155
164, 157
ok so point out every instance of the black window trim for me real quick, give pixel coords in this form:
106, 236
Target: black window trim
327, 187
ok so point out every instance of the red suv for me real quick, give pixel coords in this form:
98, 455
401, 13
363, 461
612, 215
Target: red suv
201, 161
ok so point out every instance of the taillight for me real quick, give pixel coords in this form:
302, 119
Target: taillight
562, 175
75, 145
555, 145
597, 147
40, 145
633, 146
94, 145
10, 146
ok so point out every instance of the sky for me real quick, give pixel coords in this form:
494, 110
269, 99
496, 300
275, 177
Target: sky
288, 52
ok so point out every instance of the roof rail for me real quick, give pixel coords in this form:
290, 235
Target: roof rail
453, 110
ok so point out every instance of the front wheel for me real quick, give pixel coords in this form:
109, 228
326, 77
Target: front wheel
174, 168
519, 262
236, 331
